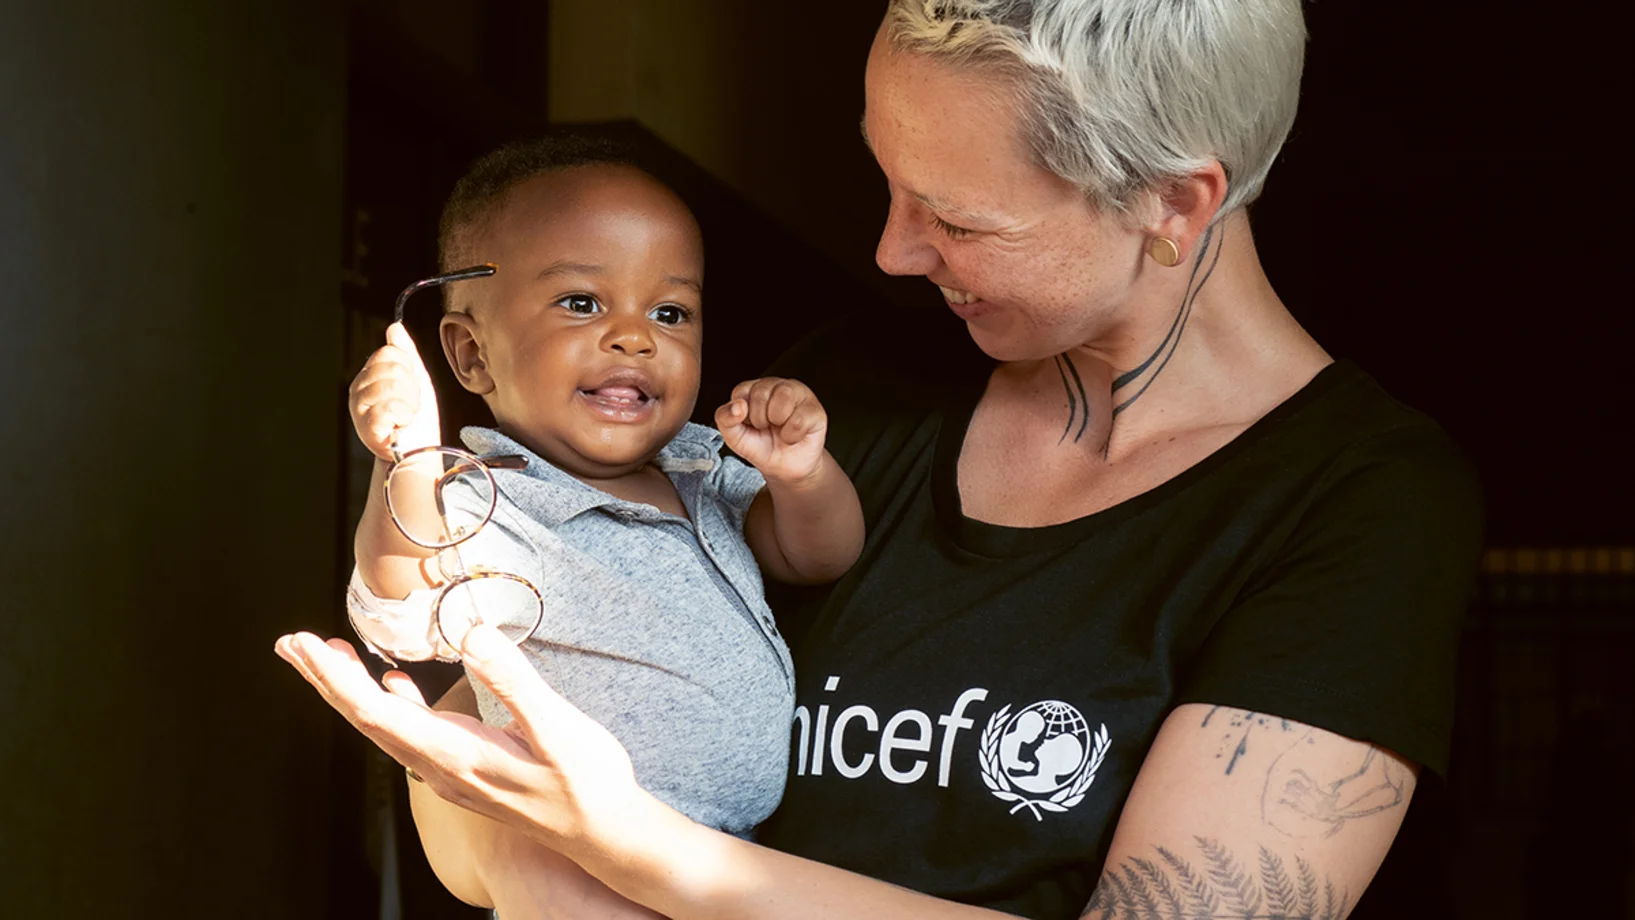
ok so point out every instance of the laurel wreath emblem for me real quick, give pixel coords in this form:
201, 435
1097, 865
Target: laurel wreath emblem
1062, 799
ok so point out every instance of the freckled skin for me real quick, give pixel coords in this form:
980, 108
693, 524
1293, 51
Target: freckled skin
1054, 272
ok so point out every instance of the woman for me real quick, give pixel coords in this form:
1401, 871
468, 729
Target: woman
1159, 603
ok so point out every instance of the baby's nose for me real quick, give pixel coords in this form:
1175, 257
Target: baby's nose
629, 338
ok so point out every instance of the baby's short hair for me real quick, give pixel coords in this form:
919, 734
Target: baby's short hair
485, 184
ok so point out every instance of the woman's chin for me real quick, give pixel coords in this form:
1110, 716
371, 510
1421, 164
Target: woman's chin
1005, 342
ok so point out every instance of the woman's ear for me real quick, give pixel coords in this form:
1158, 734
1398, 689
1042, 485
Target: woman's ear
1186, 206
464, 351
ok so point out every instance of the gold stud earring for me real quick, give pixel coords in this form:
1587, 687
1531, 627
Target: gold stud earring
1164, 251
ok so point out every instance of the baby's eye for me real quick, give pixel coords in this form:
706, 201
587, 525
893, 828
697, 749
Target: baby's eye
583, 304
669, 314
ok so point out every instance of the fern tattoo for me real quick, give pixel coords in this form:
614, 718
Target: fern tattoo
1221, 888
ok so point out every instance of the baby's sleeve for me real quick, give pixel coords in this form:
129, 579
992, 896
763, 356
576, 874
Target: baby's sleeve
737, 483
396, 630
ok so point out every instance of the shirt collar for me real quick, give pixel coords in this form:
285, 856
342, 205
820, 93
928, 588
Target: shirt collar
553, 497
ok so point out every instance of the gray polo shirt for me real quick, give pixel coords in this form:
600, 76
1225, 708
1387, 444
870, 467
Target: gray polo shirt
655, 625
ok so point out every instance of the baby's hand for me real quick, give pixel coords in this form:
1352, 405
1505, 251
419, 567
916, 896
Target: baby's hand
777, 426
392, 396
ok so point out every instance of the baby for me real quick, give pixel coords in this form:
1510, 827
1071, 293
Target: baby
645, 543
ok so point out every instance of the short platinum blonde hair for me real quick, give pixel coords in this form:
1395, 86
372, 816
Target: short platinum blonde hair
1119, 95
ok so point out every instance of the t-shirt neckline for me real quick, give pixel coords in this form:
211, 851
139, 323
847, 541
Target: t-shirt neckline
999, 540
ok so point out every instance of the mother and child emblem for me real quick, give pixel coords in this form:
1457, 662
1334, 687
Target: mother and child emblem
1042, 758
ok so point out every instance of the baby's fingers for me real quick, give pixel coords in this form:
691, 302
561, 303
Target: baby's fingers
787, 397
385, 388
759, 400
387, 363
741, 391
730, 416
380, 422
397, 339
806, 419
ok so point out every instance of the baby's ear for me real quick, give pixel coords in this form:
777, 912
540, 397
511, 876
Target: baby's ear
464, 351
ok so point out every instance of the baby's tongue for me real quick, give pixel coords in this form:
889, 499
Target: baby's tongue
617, 394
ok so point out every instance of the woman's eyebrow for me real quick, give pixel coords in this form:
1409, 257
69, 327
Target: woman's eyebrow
929, 201
953, 210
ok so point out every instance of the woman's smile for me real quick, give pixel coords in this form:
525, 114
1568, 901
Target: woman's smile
966, 305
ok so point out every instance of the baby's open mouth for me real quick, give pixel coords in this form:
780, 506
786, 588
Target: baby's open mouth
623, 394
618, 397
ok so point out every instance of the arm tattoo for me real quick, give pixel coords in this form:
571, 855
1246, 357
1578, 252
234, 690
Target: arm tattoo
1303, 797
1239, 724
1218, 888
1303, 800
1159, 359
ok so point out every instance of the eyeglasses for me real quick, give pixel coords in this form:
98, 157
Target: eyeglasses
439, 498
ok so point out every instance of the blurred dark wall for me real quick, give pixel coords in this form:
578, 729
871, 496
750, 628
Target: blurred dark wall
170, 224
768, 97
1436, 215
206, 209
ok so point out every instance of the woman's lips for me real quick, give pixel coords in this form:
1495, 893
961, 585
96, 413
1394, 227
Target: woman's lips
966, 306
971, 311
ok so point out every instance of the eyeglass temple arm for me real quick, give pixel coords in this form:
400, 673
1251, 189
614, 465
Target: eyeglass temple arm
502, 462
475, 271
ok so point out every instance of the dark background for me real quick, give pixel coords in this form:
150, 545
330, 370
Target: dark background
207, 208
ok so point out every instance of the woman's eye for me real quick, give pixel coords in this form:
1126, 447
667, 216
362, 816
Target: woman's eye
583, 304
669, 314
952, 231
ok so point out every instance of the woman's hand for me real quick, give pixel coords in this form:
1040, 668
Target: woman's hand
392, 398
777, 426
552, 772
559, 777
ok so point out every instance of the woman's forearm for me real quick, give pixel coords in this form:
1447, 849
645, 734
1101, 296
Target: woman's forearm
563, 780
689, 872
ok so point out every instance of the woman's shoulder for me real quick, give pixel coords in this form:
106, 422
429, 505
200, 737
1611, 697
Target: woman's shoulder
1345, 442
1344, 415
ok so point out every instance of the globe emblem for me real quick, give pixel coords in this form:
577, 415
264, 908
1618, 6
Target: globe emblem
1044, 746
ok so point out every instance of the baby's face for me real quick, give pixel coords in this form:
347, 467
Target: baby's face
592, 328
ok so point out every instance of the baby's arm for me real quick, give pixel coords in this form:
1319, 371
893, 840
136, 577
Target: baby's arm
389, 600
392, 398
806, 526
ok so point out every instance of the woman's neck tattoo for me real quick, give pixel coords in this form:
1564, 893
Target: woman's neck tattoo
1141, 377
1078, 403
1136, 381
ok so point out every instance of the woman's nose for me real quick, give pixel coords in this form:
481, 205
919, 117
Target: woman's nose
905, 248
629, 336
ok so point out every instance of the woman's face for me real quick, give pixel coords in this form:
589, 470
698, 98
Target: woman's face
1019, 253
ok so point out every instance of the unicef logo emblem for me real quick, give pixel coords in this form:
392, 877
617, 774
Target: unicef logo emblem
1043, 757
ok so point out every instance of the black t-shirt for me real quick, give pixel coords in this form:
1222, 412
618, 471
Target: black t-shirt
974, 701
